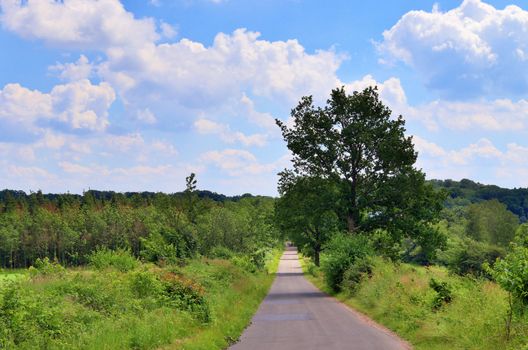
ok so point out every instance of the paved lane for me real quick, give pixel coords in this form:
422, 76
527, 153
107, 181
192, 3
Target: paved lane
296, 315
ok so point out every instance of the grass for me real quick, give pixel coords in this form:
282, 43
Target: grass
399, 297
205, 304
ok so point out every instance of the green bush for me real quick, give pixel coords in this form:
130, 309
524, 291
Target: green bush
145, 284
120, 259
45, 267
352, 277
221, 252
341, 252
244, 262
469, 259
443, 295
184, 293
259, 257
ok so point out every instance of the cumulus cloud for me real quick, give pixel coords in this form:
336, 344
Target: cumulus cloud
471, 50
237, 162
493, 115
82, 69
209, 127
85, 24
78, 105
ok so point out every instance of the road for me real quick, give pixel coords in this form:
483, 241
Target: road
297, 315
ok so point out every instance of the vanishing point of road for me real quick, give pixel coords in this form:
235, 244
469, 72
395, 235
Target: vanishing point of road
296, 315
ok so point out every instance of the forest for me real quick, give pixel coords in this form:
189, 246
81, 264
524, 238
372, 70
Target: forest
133, 270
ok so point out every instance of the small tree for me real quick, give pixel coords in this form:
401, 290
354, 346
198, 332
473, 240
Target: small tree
511, 273
190, 188
307, 211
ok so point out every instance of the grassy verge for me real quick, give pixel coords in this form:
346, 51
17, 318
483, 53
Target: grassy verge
400, 297
205, 304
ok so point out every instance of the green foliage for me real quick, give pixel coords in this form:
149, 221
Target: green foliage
465, 192
341, 253
491, 222
120, 259
221, 252
444, 294
511, 272
45, 267
307, 211
157, 227
146, 308
469, 257
353, 276
354, 168
187, 294
399, 296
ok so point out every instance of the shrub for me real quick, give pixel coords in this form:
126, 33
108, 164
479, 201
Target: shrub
443, 293
144, 284
340, 253
45, 267
221, 252
244, 262
353, 276
156, 249
470, 259
259, 257
184, 293
120, 259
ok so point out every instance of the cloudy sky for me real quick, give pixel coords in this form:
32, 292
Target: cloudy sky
135, 95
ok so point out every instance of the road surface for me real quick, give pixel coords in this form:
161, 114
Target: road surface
296, 315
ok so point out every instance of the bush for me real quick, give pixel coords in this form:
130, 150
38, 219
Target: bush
45, 267
259, 257
471, 257
443, 293
341, 252
120, 259
244, 262
221, 252
186, 294
353, 276
144, 284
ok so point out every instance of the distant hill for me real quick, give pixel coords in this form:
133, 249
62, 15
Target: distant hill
465, 192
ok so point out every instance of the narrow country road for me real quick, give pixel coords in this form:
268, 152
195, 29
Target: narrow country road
296, 315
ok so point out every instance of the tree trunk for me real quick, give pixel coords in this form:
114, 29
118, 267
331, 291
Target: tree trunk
317, 254
352, 211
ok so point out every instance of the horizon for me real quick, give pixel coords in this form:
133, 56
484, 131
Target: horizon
133, 96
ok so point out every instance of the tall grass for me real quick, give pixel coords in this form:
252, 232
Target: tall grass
205, 304
400, 297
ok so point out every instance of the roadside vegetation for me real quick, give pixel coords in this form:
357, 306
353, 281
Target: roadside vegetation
135, 271
442, 263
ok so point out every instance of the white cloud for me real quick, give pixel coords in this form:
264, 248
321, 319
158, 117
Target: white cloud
237, 162
146, 116
77, 23
471, 50
208, 127
82, 69
80, 105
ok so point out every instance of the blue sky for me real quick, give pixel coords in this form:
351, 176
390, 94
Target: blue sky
135, 95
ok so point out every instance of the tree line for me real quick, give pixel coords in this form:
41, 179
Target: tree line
153, 226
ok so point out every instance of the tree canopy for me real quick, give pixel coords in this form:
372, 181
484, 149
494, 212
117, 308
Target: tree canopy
356, 143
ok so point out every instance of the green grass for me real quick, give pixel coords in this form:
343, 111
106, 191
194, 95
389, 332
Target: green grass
399, 297
113, 309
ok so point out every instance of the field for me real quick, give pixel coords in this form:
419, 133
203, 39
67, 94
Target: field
202, 304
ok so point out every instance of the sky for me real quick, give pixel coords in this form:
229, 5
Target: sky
135, 95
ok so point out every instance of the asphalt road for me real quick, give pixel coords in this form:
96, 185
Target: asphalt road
296, 315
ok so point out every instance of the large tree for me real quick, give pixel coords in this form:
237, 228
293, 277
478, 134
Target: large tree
355, 142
